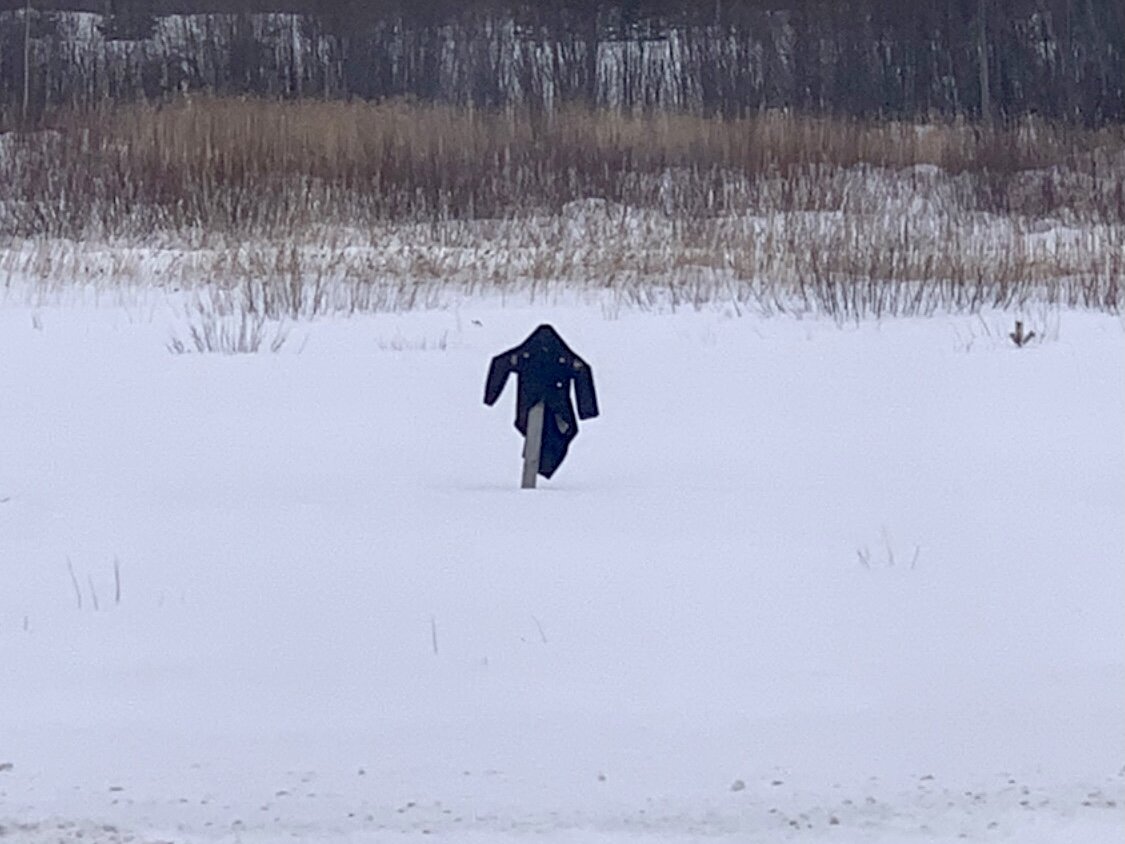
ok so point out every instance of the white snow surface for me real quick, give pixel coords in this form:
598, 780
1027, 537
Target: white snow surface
797, 582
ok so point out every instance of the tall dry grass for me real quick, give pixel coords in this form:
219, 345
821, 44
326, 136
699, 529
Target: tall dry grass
309, 194
260, 166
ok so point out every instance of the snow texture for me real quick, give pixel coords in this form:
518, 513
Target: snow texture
797, 582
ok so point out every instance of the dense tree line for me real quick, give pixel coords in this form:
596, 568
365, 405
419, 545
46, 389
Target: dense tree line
989, 59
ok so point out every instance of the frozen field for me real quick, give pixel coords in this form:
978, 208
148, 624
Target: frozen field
797, 582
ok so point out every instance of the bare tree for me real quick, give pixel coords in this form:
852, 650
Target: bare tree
982, 59
26, 62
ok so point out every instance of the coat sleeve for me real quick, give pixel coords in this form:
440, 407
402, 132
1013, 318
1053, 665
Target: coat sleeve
502, 366
584, 389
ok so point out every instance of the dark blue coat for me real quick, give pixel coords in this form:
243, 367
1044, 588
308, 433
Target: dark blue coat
546, 367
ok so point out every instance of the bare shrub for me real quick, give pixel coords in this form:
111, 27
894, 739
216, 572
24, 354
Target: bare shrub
228, 331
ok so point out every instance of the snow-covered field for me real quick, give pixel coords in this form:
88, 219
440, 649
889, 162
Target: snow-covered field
798, 581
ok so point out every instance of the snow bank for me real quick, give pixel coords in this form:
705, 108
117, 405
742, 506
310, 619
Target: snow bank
796, 581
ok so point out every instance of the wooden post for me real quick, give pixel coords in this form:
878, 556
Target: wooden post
532, 446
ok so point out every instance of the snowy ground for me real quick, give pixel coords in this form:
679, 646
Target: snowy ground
797, 582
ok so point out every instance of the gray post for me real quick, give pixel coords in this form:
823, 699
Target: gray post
532, 446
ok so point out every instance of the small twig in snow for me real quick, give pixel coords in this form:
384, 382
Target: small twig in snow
74, 582
433, 634
542, 635
887, 543
93, 591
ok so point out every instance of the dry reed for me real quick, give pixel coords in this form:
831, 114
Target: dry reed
847, 216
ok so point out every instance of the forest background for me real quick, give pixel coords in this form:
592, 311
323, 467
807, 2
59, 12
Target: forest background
1060, 59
